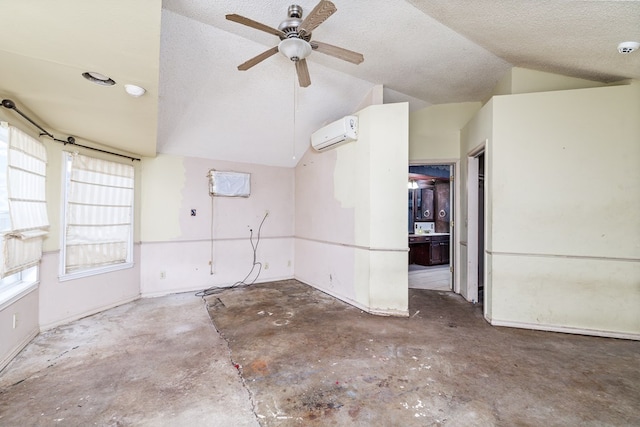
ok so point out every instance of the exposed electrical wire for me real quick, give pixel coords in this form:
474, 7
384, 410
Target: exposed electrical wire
215, 289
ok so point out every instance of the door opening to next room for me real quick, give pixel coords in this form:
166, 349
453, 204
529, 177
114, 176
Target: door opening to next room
430, 195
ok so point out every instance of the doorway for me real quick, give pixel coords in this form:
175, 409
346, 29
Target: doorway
474, 289
430, 222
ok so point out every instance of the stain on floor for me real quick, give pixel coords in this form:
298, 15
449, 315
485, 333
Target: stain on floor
285, 354
309, 359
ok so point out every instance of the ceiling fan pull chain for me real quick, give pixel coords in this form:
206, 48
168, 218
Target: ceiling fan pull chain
295, 107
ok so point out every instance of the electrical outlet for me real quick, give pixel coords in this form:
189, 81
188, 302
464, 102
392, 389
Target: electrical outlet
289, 263
213, 267
266, 265
15, 320
163, 275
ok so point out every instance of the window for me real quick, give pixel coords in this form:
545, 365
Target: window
98, 216
23, 211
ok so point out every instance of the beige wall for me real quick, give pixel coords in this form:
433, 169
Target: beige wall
55, 302
350, 217
12, 340
565, 198
25, 309
476, 134
64, 301
434, 132
522, 80
573, 268
177, 247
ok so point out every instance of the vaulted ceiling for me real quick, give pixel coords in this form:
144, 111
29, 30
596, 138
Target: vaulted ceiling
185, 53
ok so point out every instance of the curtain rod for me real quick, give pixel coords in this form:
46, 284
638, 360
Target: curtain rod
9, 104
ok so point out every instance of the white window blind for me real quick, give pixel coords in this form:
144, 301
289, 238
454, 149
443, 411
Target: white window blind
99, 213
27, 209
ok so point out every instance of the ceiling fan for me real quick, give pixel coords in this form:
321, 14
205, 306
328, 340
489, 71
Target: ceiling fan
295, 39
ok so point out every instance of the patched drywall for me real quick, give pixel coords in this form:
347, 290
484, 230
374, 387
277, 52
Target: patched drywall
351, 218
213, 238
163, 178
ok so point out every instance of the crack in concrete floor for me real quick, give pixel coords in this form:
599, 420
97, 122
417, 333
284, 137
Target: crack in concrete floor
309, 359
330, 363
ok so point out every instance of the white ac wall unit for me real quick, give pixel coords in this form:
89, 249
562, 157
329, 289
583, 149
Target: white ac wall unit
336, 133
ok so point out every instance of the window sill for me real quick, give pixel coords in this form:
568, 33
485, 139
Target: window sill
14, 292
94, 271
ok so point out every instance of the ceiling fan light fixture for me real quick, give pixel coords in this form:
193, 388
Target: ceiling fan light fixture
295, 49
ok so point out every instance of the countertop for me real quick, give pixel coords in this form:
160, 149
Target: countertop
428, 234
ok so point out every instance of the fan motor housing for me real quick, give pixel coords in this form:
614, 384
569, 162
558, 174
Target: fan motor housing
290, 25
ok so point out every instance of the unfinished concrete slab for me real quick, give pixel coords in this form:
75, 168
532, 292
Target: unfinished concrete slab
305, 358
152, 362
309, 359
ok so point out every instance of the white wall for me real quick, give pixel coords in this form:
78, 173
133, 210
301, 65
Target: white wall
350, 217
565, 199
177, 247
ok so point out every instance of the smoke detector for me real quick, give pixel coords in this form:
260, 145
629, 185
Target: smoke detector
628, 47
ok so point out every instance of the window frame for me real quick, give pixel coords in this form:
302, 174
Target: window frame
16, 285
63, 275
19, 284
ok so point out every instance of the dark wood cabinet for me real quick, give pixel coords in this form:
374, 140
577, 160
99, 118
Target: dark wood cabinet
439, 250
442, 195
427, 204
435, 253
445, 251
428, 250
423, 208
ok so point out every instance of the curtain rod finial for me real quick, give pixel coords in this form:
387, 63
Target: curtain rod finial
7, 103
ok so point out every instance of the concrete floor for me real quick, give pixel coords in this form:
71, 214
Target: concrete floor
153, 362
288, 355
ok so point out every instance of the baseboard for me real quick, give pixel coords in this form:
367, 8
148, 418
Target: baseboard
17, 349
44, 327
377, 312
566, 329
165, 292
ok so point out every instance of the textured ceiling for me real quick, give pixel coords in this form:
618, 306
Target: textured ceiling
185, 53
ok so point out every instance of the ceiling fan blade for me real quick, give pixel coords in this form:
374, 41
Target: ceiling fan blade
258, 59
303, 73
255, 24
318, 15
338, 52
